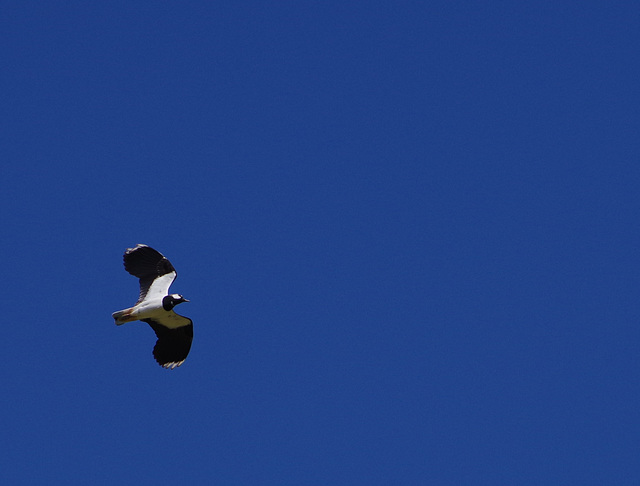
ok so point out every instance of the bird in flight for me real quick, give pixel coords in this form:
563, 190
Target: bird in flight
155, 305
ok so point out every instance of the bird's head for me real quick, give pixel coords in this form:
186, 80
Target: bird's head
172, 300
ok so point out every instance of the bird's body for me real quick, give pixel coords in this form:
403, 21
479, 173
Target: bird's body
155, 305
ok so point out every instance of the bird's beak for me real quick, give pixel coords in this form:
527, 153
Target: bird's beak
185, 300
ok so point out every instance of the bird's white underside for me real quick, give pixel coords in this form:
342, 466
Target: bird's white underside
159, 287
151, 306
152, 309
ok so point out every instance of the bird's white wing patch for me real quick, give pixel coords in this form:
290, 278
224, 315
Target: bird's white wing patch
172, 320
160, 287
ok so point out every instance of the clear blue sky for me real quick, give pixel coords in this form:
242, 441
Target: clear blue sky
409, 232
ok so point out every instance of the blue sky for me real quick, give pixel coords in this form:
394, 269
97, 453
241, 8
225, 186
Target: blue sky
408, 231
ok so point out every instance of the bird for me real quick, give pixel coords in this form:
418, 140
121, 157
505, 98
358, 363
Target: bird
155, 305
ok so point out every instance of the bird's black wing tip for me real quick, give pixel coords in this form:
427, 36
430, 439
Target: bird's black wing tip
143, 261
173, 345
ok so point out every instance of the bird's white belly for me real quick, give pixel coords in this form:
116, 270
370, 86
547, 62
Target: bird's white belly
148, 310
154, 310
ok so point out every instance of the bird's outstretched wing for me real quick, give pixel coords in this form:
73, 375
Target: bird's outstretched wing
173, 345
155, 272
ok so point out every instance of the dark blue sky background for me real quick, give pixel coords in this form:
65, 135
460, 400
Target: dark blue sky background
408, 230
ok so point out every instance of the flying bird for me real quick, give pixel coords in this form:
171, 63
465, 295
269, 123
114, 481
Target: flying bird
155, 305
